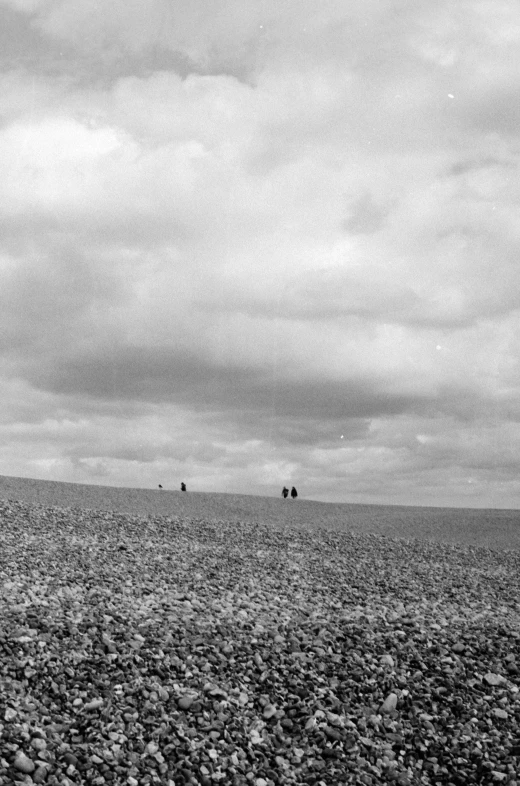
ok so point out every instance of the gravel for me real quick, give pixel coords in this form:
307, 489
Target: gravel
496, 529
181, 650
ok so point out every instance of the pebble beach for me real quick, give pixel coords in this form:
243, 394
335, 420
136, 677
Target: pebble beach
151, 637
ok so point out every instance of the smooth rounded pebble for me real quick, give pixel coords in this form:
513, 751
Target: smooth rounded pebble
23, 763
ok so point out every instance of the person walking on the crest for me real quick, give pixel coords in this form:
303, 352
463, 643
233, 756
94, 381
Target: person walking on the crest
285, 492
294, 493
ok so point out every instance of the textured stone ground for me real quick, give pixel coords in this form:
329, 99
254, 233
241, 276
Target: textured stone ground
179, 648
497, 529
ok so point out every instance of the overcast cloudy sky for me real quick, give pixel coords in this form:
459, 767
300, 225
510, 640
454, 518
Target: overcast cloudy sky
250, 242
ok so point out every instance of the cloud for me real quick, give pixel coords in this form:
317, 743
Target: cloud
262, 243
145, 374
366, 216
129, 28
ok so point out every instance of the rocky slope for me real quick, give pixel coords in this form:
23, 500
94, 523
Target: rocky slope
197, 650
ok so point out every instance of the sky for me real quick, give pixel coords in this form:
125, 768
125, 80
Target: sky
249, 243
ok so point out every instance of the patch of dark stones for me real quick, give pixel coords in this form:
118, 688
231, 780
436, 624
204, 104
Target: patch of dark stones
174, 651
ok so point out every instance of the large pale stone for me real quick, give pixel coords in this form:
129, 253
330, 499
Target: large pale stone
389, 704
23, 763
493, 679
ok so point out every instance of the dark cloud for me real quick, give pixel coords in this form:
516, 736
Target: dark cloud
153, 376
336, 295
474, 164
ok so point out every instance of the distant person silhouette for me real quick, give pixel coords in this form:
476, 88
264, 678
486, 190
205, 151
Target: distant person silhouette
183, 486
160, 486
294, 493
285, 492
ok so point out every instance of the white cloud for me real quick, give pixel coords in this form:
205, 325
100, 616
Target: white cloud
53, 165
266, 255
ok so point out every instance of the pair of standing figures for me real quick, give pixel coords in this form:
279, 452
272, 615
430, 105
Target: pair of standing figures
285, 492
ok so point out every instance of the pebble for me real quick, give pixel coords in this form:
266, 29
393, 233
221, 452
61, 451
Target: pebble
279, 693
494, 679
40, 774
389, 704
23, 763
95, 704
332, 734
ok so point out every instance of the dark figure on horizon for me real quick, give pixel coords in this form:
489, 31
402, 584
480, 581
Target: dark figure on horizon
160, 486
294, 493
183, 486
285, 492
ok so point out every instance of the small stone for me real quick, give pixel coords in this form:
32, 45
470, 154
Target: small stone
256, 738
332, 734
458, 647
499, 777
493, 679
23, 763
260, 782
185, 702
502, 714
333, 718
10, 714
269, 711
95, 704
40, 775
389, 704
387, 660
